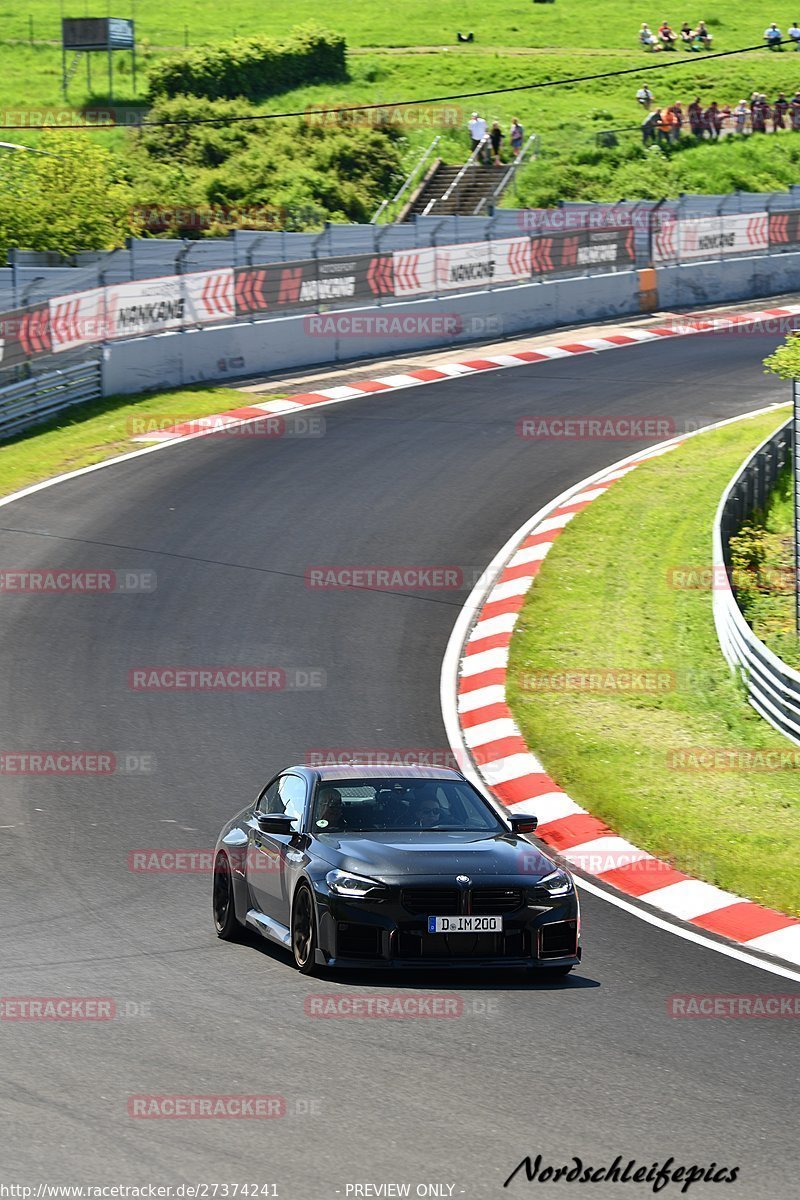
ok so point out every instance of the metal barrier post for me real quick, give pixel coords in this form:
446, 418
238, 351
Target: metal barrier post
796, 474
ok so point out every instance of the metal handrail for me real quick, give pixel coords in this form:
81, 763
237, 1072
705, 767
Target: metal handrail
471, 161
407, 183
509, 175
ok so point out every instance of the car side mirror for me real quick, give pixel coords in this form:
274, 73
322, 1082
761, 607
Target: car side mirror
275, 823
522, 823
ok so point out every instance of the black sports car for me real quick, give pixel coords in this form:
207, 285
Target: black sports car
353, 867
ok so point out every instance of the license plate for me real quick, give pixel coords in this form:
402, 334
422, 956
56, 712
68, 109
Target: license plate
465, 924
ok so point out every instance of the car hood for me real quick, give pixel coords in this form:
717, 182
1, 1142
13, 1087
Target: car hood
390, 857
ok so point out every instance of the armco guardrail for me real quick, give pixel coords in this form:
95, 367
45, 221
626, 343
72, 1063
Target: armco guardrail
187, 301
192, 299
33, 277
773, 688
42, 396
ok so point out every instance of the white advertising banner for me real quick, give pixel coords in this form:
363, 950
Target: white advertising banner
77, 320
711, 237
414, 271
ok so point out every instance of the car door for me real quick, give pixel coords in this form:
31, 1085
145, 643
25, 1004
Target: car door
273, 857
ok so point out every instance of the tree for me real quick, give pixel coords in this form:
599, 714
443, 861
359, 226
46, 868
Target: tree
66, 200
785, 361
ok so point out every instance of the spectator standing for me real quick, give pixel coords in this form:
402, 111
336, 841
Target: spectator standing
740, 116
695, 115
496, 137
759, 111
773, 37
794, 35
794, 109
649, 126
679, 121
477, 130
779, 111
667, 126
702, 35
645, 97
516, 136
712, 120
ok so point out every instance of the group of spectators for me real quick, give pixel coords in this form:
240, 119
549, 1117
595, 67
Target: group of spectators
774, 38
700, 39
666, 124
488, 142
668, 39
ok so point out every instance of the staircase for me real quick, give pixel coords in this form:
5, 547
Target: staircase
478, 183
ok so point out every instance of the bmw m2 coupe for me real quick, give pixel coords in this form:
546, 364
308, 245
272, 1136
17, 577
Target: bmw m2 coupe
351, 867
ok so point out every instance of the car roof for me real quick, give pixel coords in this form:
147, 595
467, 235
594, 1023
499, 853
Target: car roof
366, 771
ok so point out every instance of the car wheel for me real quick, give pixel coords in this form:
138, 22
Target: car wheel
304, 930
225, 922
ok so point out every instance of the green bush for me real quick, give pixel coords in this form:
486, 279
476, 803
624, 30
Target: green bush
252, 68
72, 197
264, 174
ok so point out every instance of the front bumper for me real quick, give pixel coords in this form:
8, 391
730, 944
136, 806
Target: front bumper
384, 934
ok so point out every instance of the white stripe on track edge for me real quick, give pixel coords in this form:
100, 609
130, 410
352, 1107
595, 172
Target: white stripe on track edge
448, 695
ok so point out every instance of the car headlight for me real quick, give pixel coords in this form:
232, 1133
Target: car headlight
344, 883
557, 884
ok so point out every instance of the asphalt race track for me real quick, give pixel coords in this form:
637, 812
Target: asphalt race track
593, 1067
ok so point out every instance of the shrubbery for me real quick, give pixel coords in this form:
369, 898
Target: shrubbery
298, 169
72, 198
252, 68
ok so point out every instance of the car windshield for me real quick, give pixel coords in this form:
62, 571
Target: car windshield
395, 805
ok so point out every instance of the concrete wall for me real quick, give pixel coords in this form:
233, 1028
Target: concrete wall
258, 347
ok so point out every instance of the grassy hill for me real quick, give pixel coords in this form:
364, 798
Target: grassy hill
409, 51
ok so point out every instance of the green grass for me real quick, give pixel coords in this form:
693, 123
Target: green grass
763, 555
409, 51
92, 433
602, 601
406, 23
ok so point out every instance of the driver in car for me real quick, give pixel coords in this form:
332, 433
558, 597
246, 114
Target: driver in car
428, 812
330, 810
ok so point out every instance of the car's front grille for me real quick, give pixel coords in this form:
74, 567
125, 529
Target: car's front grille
487, 901
515, 943
431, 902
